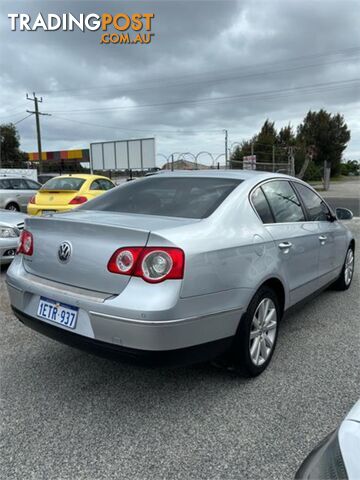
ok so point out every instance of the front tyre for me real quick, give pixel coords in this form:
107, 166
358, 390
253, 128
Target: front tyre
257, 334
347, 272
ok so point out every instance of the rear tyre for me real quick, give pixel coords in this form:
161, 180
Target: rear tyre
14, 207
257, 334
347, 272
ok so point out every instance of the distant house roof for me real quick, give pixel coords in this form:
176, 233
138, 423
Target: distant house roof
185, 165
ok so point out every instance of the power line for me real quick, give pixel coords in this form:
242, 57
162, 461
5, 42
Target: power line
113, 127
210, 81
27, 116
351, 51
313, 87
12, 114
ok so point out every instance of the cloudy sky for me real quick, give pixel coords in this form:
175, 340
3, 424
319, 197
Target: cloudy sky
212, 65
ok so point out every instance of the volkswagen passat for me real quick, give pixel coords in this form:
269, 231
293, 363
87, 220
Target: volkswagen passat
181, 267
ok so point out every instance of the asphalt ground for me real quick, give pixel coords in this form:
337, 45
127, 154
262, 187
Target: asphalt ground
69, 415
352, 204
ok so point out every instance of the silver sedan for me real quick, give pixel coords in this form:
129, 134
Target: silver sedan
181, 267
11, 225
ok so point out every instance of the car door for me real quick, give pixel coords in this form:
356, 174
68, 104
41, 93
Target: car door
21, 192
6, 192
33, 187
297, 239
331, 234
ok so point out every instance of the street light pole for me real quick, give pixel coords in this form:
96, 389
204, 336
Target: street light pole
1, 140
226, 148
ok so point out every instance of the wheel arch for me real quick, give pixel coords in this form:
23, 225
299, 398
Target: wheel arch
12, 202
277, 285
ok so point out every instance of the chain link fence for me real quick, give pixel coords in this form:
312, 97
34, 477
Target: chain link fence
275, 167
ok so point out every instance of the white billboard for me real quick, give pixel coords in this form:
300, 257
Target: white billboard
138, 154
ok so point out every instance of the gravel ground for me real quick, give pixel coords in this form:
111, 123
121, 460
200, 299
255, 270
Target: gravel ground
70, 415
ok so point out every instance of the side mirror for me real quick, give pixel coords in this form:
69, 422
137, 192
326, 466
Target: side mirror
344, 214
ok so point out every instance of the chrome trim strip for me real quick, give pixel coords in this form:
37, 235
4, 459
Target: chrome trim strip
13, 286
66, 289
162, 322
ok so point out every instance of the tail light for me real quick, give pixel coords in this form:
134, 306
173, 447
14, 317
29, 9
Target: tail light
26, 243
32, 199
153, 264
78, 200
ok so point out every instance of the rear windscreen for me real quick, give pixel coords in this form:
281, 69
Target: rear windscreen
193, 197
67, 183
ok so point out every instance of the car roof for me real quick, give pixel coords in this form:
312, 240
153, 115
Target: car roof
255, 175
84, 176
15, 177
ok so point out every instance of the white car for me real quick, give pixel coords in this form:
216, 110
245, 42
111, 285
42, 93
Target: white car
337, 456
11, 225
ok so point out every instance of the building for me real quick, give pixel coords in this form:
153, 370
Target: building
184, 165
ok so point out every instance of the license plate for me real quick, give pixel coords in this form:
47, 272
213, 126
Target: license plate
47, 212
57, 312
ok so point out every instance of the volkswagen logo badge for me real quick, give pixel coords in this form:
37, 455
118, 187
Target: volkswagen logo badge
64, 252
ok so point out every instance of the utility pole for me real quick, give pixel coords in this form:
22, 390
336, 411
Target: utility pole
37, 114
291, 162
273, 158
1, 140
226, 148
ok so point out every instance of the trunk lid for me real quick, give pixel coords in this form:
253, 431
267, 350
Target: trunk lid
93, 236
51, 198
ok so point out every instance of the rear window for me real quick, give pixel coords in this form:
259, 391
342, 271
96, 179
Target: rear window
63, 183
172, 197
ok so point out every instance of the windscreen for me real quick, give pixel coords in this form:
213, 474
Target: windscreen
63, 183
192, 197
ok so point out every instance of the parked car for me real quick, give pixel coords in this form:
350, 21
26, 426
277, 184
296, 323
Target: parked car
11, 225
181, 267
44, 177
15, 192
66, 192
337, 455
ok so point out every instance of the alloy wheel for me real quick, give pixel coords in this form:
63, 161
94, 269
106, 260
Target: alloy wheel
12, 208
349, 267
263, 332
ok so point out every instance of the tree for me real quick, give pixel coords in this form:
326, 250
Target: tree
327, 135
241, 151
320, 137
351, 167
11, 155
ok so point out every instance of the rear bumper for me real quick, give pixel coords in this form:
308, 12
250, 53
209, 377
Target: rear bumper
175, 357
142, 318
34, 209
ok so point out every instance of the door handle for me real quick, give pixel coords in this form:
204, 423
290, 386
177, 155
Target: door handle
285, 246
322, 239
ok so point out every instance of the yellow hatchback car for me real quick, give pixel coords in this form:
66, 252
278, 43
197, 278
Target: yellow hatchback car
67, 191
